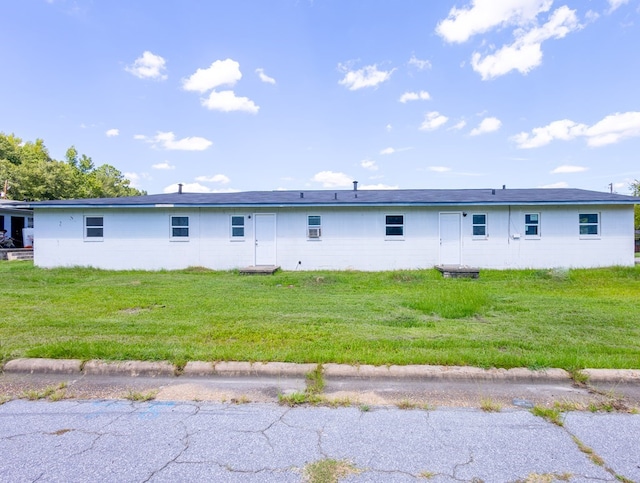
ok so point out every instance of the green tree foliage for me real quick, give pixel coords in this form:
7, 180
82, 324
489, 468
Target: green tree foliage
635, 189
33, 175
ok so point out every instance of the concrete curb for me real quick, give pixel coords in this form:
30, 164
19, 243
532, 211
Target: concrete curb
330, 371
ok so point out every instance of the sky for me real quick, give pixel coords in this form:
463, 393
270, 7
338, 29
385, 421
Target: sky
242, 95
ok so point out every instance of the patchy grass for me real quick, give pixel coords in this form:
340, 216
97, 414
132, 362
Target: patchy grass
570, 319
489, 405
553, 415
53, 393
328, 471
137, 396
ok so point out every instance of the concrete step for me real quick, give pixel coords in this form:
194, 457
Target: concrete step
20, 255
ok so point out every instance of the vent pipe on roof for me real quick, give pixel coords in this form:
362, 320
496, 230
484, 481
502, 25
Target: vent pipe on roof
355, 186
180, 188
504, 186
335, 196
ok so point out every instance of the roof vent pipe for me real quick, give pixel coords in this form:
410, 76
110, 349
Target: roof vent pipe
335, 196
504, 186
355, 186
179, 188
493, 192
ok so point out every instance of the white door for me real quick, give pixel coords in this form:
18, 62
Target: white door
265, 238
450, 239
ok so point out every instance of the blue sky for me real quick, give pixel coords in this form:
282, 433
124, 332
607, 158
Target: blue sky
311, 94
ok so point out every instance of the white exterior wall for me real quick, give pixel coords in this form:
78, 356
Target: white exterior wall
352, 238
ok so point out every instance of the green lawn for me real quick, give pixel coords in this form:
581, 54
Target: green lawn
533, 318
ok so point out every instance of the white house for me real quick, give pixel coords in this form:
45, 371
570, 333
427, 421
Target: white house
339, 230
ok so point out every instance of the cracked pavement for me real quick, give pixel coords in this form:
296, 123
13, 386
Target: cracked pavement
158, 441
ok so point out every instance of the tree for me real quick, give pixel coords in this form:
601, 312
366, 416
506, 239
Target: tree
33, 175
635, 190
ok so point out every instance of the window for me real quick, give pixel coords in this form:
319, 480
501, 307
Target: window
532, 224
479, 224
314, 226
237, 227
589, 224
93, 226
179, 226
30, 222
394, 225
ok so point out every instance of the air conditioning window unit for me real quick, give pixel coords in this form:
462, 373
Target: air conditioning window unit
314, 233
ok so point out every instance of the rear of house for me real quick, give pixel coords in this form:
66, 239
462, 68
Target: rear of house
340, 230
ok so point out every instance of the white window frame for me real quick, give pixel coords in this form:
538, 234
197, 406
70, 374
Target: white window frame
314, 230
485, 235
233, 226
537, 224
582, 224
388, 225
176, 226
87, 227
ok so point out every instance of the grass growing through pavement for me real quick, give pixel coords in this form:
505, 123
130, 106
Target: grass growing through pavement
526, 318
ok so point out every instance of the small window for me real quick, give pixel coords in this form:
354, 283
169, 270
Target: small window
237, 227
532, 224
394, 225
93, 226
589, 224
479, 222
30, 222
179, 226
314, 226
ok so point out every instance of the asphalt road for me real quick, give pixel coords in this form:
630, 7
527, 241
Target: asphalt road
123, 441
232, 429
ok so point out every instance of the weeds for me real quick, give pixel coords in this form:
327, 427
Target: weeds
53, 393
312, 393
488, 405
141, 396
328, 471
553, 415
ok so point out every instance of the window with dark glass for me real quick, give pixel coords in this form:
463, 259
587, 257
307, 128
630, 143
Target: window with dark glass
532, 224
479, 223
94, 226
237, 226
179, 226
394, 225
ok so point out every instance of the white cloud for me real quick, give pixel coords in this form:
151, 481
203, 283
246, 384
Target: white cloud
163, 166
331, 179
488, 124
187, 188
615, 4
148, 66
612, 129
560, 184
216, 178
368, 76
433, 120
414, 96
459, 125
389, 128
439, 169
569, 169
484, 15
369, 164
379, 186
135, 178
525, 53
227, 101
386, 151
112, 133
140, 137
419, 64
167, 140
219, 73
264, 77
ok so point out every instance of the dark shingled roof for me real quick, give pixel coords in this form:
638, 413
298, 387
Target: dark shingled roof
425, 197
